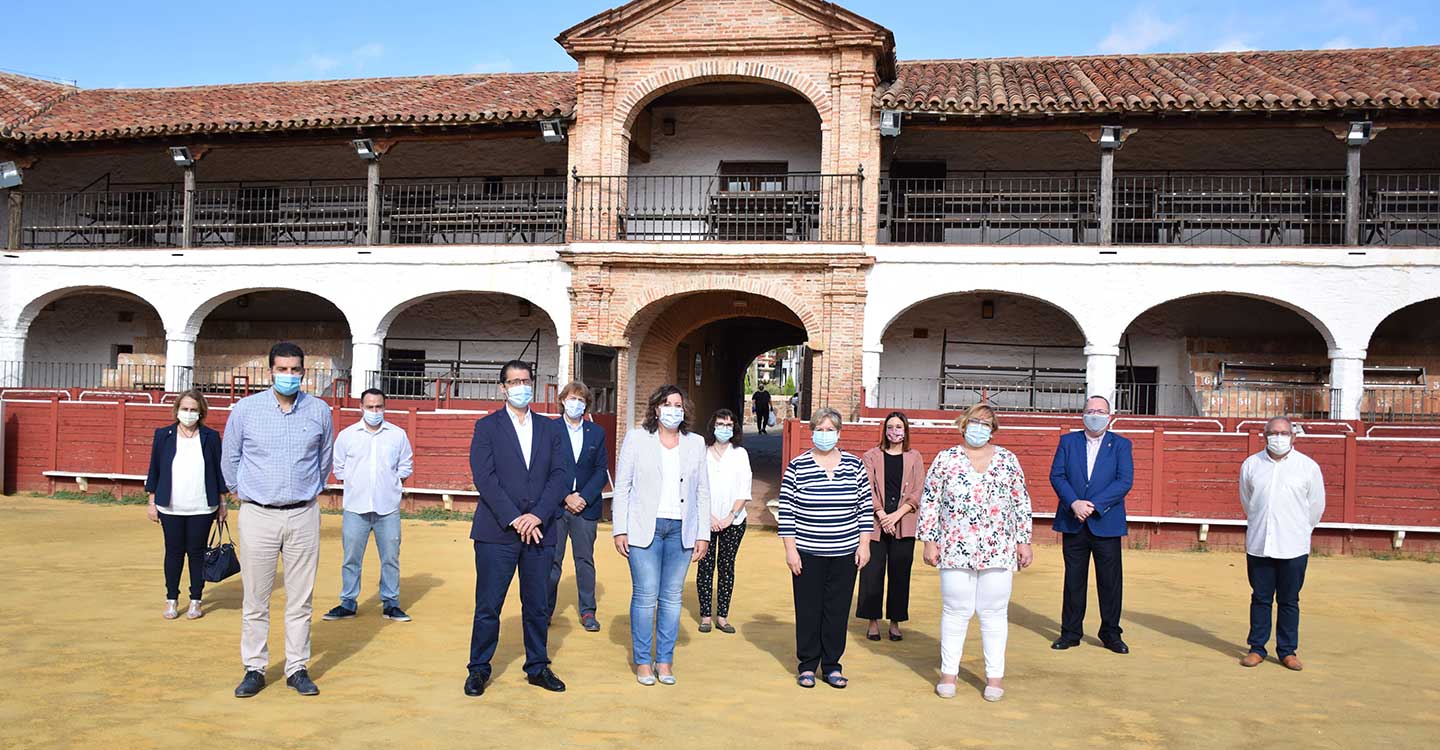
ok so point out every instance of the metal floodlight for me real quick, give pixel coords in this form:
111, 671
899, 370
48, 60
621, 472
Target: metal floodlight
890, 122
9, 174
1110, 137
553, 131
1361, 131
365, 149
181, 156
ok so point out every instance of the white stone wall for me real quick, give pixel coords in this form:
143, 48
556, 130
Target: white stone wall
705, 136
468, 318
84, 328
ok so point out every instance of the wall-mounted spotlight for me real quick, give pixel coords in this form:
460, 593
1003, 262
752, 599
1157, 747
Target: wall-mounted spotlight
1111, 137
553, 131
10, 175
1360, 133
890, 122
181, 156
365, 149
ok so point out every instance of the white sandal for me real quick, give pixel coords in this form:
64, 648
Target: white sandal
993, 694
195, 612
945, 690
170, 611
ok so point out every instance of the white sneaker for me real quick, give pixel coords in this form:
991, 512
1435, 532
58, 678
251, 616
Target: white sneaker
993, 694
195, 611
170, 611
945, 690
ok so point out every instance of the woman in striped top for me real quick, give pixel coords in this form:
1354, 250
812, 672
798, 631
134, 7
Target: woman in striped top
825, 522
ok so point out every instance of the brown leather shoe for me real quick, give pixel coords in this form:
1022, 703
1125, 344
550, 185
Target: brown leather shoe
1251, 659
1292, 663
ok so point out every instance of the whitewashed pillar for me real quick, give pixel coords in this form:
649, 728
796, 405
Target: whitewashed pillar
179, 361
1347, 382
366, 357
1100, 371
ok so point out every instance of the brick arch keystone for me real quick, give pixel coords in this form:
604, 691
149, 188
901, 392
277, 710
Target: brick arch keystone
689, 74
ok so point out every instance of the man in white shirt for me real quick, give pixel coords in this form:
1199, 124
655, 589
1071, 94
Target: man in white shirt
1283, 495
372, 458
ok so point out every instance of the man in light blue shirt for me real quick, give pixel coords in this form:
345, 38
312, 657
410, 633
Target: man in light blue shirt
275, 455
372, 457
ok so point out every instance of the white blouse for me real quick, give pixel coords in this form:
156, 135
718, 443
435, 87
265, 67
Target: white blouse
670, 506
187, 480
730, 480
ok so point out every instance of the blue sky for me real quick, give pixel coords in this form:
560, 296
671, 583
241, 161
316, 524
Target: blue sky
175, 44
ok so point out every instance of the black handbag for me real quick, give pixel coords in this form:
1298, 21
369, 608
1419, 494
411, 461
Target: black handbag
221, 560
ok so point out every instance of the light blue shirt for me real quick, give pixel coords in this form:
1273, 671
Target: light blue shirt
373, 465
274, 457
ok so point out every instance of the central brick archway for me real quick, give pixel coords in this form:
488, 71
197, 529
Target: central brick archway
646, 305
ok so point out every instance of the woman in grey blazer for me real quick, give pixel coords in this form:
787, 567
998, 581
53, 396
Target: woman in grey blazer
662, 487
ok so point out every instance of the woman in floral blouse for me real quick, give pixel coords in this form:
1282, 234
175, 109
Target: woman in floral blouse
975, 523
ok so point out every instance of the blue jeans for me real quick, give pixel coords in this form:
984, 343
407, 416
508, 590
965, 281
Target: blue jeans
657, 572
355, 531
1278, 581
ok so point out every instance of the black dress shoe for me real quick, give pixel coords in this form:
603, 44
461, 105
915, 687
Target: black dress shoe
302, 684
253, 683
1118, 646
475, 685
1063, 643
547, 679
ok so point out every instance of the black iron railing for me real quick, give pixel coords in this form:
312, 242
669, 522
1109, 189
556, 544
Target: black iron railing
741, 208
991, 210
499, 211
120, 218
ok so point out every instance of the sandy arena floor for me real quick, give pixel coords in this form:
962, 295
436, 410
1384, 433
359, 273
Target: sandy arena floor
89, 662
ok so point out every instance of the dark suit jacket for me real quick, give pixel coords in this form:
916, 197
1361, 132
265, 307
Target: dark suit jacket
592, 471
162, 455
507, 489
1107, 486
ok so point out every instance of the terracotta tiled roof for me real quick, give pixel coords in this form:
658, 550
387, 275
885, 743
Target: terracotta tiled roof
1306, 80
95, 114
23, 97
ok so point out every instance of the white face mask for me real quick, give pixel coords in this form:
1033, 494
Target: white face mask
1279, 444
188, 417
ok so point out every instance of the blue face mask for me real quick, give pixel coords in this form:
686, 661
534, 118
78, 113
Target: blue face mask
723, 434
1096, 422
977, 435
287, 385
825, 440
373, 418
672, 416
519, 396
574, 408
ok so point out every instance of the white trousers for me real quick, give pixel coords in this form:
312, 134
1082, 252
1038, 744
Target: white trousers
964, 593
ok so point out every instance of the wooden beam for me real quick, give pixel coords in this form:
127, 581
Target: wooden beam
972, 124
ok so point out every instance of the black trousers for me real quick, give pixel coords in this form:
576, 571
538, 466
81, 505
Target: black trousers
724, 545
762, 419
822, 603
185, 536
893, 556
1109, 580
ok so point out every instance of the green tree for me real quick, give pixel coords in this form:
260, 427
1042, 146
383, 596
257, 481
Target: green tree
789, 389
749, 385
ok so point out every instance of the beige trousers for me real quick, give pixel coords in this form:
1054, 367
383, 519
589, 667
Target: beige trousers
267, 536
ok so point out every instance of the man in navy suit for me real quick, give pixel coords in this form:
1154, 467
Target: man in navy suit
1092, 473
589, 464
522, 474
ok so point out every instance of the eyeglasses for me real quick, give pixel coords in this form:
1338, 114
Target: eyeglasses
519, 381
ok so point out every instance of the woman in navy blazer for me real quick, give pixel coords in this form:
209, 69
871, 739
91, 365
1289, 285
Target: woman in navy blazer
185, 487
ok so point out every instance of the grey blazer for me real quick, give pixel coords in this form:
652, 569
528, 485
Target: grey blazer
637, 488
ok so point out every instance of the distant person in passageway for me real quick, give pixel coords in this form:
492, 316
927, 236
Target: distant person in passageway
761, 408
521, 469
1283, 495
897, 475
279, 444
372, 457
825, 518
580, 515
661, 525
795, 406
186, 488
730, 487
975, 523
1092, 473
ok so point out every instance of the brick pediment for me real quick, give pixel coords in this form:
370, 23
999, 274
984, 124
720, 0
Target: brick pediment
704, 25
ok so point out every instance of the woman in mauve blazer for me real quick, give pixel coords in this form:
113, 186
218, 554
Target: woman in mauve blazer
892, 545
662, 490
185, 485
